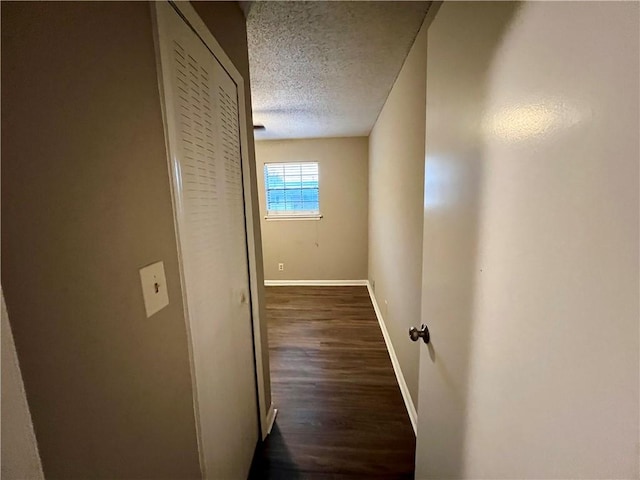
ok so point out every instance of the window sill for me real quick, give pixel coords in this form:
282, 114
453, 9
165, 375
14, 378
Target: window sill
293, 217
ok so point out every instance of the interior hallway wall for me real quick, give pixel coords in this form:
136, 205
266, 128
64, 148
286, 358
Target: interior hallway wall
334, 247
396, 177
86, 202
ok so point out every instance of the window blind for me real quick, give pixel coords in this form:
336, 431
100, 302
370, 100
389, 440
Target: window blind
292, 189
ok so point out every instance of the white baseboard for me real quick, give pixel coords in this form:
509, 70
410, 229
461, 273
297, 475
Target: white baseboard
406, 396
271, 418
315, 283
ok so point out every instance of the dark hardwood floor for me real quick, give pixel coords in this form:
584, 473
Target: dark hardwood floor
340, 411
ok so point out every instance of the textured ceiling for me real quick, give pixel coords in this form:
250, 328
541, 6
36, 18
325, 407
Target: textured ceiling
324, 69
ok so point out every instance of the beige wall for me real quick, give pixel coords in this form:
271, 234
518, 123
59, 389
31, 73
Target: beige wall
85, 204
335, 247
396, 176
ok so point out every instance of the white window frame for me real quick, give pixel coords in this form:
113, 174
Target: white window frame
290, 215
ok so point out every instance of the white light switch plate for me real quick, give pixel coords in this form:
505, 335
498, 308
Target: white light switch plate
154, 288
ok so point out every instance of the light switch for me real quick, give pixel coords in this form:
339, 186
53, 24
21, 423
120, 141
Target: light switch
154, 288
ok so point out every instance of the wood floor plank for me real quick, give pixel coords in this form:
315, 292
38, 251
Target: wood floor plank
340, 411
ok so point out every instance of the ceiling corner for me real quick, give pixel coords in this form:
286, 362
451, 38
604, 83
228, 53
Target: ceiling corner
245, 7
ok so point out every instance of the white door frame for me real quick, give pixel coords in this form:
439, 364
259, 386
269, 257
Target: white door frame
185, 10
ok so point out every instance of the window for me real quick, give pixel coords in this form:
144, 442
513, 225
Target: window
292, 190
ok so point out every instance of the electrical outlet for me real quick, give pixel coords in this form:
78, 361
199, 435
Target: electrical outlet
281, 267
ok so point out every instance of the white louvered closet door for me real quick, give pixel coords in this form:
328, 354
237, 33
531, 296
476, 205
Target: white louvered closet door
204, 141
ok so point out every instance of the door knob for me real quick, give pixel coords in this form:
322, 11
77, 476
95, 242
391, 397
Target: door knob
415, 334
